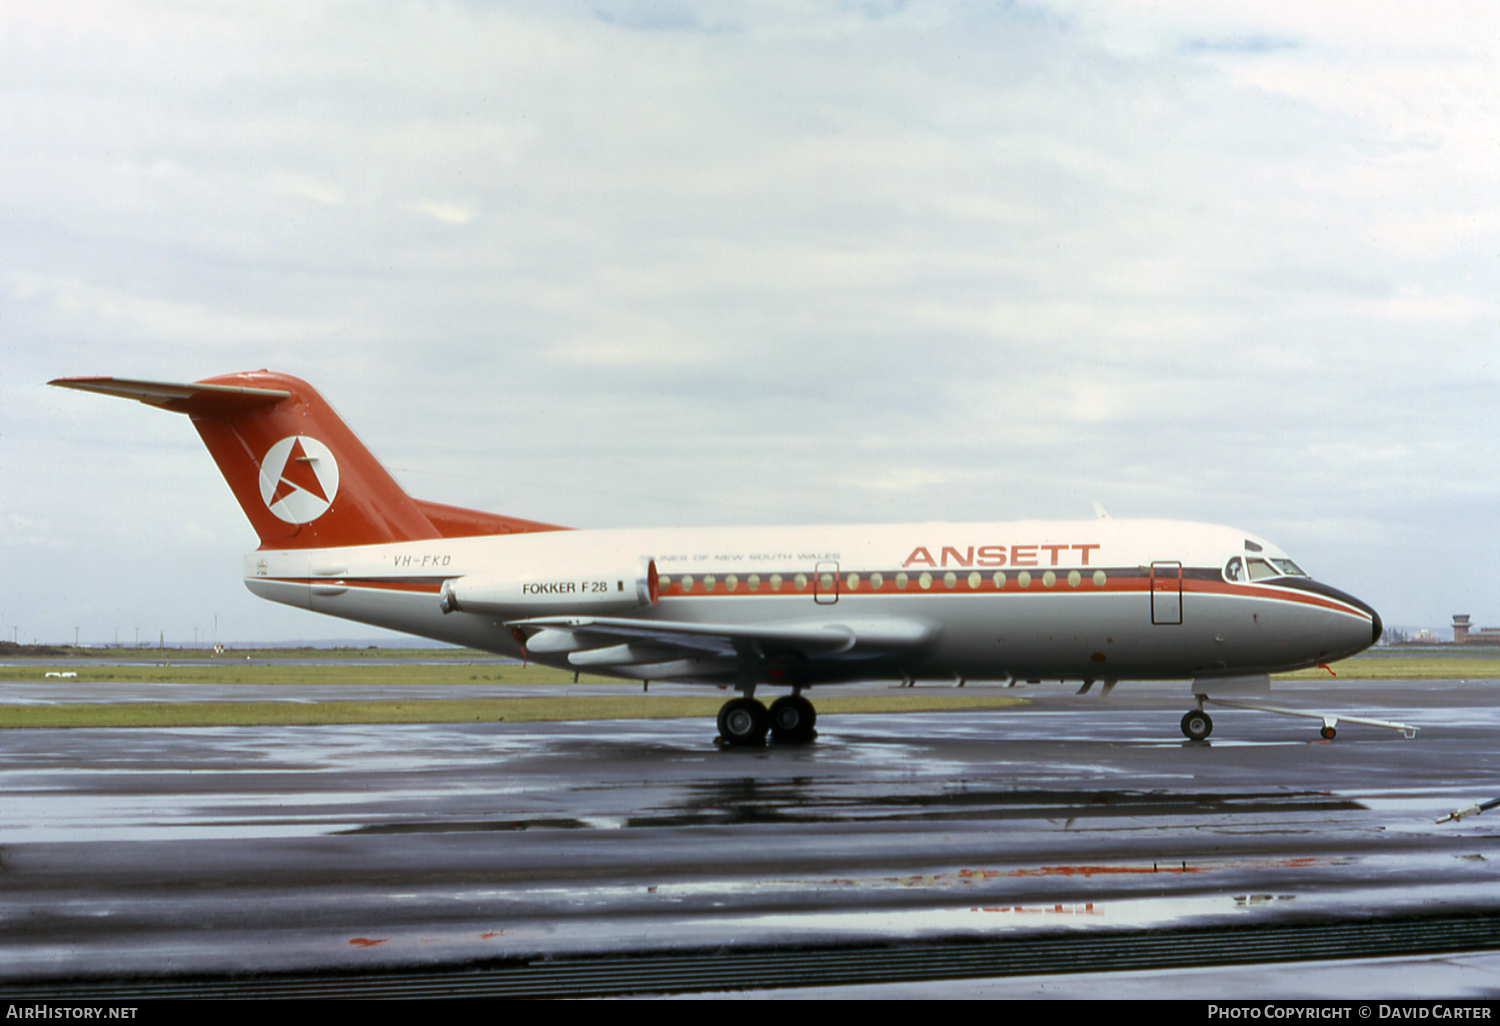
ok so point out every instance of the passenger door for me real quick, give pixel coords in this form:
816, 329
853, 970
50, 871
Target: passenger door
1166, 592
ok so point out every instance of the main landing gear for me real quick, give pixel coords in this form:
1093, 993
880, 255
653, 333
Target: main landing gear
745, 721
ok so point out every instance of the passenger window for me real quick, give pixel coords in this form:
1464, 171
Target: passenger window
1234, 570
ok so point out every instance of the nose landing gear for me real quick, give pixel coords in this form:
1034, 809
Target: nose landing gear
1197, 724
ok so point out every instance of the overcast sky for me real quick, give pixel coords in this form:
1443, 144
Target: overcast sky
624, 264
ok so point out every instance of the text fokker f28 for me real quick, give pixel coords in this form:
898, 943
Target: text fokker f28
755, 608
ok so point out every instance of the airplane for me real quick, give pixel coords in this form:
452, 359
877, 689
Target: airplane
758, 608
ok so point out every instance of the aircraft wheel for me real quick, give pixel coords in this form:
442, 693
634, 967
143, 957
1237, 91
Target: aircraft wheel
744, 721
1197, 725
792, 719
1328, 733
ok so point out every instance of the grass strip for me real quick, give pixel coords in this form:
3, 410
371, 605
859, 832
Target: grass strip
301, 675
489, 710
1381, 666
455, 673
1393, 667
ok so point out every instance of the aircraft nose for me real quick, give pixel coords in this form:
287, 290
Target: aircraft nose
1351, 633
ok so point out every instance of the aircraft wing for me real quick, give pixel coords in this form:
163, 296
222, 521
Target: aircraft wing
669, 649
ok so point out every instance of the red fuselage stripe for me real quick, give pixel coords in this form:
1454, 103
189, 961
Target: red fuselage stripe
1116, 582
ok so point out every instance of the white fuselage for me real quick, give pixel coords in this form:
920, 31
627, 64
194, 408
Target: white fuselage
1092, 599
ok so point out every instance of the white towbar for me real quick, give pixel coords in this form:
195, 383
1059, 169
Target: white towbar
1330, 720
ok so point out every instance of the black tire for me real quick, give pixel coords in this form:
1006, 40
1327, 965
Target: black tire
743, 721
1197, 724
792, 719
1328, 733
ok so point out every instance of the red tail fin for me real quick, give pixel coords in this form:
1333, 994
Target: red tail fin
299, 473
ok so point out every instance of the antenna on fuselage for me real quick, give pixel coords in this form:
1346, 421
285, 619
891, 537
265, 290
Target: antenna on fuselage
1099, 511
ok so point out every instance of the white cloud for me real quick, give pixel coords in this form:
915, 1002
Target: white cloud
306, 186
448, 213
1226, 261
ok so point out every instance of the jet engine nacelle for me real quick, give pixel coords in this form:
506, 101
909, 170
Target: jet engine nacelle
593, 589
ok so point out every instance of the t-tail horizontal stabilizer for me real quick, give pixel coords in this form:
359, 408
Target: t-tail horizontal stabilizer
300, 474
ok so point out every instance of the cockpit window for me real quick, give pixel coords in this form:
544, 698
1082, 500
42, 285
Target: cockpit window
1260, 569
1254, 568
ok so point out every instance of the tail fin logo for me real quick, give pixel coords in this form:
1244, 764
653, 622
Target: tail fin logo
298, 479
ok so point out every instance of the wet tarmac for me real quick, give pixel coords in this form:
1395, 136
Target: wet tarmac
242, 849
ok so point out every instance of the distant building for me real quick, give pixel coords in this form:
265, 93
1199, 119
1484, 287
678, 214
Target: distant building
1464, 634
